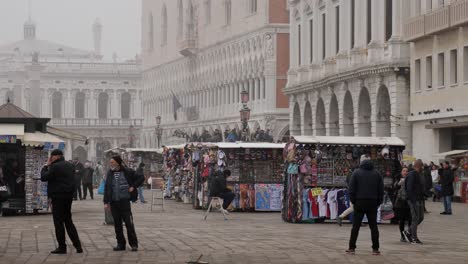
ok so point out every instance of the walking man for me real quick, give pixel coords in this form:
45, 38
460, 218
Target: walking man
79, 168
88, 180
58, 173
141, 172
366, 191
446, 181
219, 188
415, 195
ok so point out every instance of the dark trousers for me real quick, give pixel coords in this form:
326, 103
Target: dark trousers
88, 187
368, 208
61, 212
417, 216
77, 190
122, 212
404, 216
227, 197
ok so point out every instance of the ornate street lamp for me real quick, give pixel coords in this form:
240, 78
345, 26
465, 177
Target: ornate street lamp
131, 136
244, 97
158, 130
245, 115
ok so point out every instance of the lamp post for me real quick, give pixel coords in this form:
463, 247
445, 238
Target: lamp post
158, 130
245, 115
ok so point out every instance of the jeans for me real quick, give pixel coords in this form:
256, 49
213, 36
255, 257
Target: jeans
88, 187
78, 190
61, 212
417, 216
227, 198
448, 204
368, 208
140, 194
122, 212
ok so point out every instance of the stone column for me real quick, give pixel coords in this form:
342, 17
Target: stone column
378, 30
262, 87
68, 149
92, 149
256, 88
45, 95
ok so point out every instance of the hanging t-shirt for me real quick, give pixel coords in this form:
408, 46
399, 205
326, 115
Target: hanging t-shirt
332, 204
322, 204
342, 200
314, 205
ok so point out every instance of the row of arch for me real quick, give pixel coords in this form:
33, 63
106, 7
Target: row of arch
330, 122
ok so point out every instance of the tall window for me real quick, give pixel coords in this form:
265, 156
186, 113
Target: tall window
324, 35
125, 105
151, 31
57, 105
311, 39
369, 21
353, 12
181, 19
299, 46
337, 29
103, 102
441, 69
252, 6
453, 66
164, 26
207, 12
228, 6
429, 72
465, 64
10, 95
388, 19
417, 75
80, 105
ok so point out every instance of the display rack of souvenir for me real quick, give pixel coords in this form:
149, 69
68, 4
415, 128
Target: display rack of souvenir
35, 189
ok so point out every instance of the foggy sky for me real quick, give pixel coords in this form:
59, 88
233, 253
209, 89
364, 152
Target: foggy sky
69, 22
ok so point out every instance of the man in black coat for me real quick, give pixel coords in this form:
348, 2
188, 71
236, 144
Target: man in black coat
121, 189
218, 188
415, 195
446, 181
366, 191
79, 169
59, 173
87, 180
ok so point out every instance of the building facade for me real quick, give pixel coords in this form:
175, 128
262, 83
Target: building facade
205, 53
438, 32
349, 73
80, 92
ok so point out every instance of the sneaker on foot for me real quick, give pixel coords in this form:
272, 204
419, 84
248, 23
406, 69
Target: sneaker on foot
417, 241
351, 251
339, 221
59, 251
443, 213
375, 252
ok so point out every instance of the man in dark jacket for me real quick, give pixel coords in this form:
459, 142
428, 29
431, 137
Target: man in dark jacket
79, 169
446, 181
121, 188
218, 188
415, 194
87, 180
59, 175
366, 191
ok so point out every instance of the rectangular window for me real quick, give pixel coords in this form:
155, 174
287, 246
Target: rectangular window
337, 29
417, 75
429, 72
428, 6
453, 66
299, 46
323, 36
228, 12
465, 64
369, 21
253, 6
388, 19
311, 39
353, 11
208, 12
441, 70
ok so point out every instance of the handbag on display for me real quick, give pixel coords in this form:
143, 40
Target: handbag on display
386, 209
293, 168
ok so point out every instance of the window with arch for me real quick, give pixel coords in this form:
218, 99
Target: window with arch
103, 102
125, 103
207, 12
151, 32
252, 6
164, 26
80, 105
228, 11
181, 19
57, 105
10, 97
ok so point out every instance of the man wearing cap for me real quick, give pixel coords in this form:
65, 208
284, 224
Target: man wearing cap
59, 174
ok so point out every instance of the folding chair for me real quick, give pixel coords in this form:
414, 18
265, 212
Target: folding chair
219, 202
157, 193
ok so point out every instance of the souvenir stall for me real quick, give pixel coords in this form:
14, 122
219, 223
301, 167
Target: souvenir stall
256, 174
317, 169
179, 172
459, 160
152, 158
24, 149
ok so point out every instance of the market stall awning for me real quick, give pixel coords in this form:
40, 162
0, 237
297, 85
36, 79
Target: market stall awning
452, 153
117, 150
12, 130
379, 141
38, 139
66, 134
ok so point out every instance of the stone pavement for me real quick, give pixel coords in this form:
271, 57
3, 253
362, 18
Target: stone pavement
179, 234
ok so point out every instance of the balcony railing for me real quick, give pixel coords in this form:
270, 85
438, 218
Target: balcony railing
458, 13
96, 123
437, 20
414, 27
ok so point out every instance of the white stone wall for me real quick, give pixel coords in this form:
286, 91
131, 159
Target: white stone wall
374, 74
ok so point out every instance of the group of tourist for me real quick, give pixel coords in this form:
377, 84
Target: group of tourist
410, 189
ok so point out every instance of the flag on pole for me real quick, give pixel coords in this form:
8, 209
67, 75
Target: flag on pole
176, 105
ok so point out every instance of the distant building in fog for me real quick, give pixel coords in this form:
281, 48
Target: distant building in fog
75, 88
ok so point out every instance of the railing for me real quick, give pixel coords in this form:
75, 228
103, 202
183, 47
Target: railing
188, 44
87, 122
65, 67
440, 19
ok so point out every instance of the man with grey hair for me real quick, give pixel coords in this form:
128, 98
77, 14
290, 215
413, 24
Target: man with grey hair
415, 194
